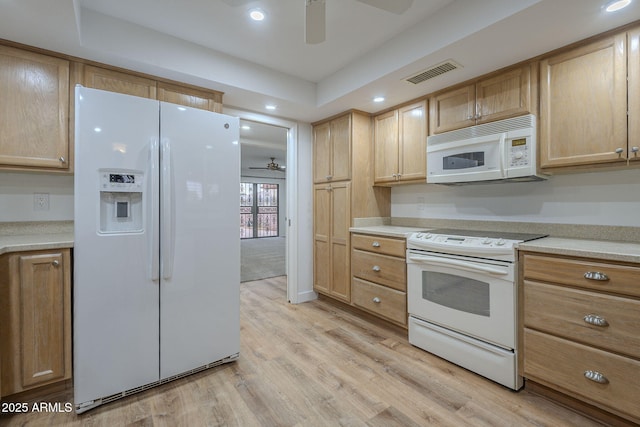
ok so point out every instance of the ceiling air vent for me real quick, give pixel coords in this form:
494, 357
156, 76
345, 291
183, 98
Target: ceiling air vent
434, 71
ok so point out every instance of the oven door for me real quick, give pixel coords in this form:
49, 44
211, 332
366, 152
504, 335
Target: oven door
475, 159
472, 296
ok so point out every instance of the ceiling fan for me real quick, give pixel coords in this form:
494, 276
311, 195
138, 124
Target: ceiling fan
315, 14
272, 166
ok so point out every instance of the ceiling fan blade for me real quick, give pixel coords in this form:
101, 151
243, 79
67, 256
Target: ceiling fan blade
314, 28
394, 6
236, 3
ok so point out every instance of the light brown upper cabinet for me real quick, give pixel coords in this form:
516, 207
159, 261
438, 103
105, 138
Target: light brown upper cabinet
34, 106
400, 144
332, 150
508, 94
583, 104
633, 143
116, 81
190, 97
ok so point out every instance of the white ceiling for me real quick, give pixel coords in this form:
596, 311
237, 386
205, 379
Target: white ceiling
367, 52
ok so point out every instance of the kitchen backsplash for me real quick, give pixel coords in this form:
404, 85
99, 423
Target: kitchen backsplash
599, 198
17, 192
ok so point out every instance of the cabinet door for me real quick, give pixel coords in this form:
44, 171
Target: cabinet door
34, 106
115, 81
322, 153
341, 148
412, 162
340, 244
452, 110
634, 94
190, 97
385, 147
583, 105
321, 238
36, 336
504, 96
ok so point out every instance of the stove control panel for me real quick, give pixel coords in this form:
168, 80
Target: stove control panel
428, 240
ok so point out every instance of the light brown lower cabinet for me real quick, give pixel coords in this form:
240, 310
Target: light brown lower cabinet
379, 276
582, 330
35, 314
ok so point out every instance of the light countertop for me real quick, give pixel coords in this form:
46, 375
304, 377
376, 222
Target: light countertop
387, 230
35, 236
601, 249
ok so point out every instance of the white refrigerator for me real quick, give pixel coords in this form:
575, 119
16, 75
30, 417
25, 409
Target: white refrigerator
157, 247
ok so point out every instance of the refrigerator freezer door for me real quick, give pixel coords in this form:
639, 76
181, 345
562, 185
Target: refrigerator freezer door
199, 299
115, 300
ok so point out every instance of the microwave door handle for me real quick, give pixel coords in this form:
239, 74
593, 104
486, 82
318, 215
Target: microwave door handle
503, 155
463, 265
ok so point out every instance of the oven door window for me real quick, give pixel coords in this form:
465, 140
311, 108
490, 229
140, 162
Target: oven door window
457, 292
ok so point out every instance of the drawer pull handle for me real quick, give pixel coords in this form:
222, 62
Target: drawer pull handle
376, 244
55, 263
596, 275
596, 376
377, 300
376, 268
595, 320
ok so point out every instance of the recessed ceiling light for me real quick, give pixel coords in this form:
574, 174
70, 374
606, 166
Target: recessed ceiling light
246, 127
378, 99
616, 5
257, 14
270, 107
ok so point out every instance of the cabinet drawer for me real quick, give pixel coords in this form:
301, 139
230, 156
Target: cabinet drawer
380, 300
562, 364
382, 245
382, 269
561, 311
613, 278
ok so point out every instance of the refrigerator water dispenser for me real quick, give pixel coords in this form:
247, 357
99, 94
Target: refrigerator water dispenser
121, 196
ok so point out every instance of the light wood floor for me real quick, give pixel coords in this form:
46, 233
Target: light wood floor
315, 364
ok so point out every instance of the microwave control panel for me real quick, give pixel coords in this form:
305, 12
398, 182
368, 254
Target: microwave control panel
520, 152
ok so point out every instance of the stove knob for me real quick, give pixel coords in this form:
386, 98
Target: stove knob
500, 242
428, 236
486, 241
419, 235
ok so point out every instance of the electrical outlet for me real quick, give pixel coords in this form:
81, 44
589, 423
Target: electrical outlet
40, 201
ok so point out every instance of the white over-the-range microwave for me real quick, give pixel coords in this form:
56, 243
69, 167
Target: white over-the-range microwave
500, 151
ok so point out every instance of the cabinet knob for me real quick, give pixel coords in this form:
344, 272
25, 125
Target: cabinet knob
55, 263
634, 150
329, 177
376, 244
596, 376
62, 159
377, 300
619, 150
596, 275
595, 320
376, 268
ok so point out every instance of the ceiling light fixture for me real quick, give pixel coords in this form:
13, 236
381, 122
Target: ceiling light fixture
616, 5
378, 99
270, 107
257, 14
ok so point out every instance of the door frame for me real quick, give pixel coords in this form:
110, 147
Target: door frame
291, 173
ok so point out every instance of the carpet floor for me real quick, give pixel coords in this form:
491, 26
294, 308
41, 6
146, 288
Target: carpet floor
262, 258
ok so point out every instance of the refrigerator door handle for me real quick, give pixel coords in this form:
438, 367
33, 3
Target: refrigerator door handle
167, 228
153, 187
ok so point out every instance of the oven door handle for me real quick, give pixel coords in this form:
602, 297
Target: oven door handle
460, 264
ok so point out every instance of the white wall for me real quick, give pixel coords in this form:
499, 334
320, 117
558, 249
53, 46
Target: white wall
16, 196
598, 198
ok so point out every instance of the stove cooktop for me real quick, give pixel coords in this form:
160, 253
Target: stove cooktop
505, 235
